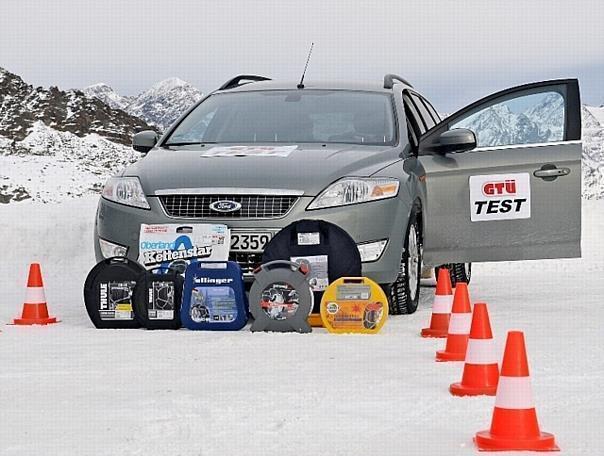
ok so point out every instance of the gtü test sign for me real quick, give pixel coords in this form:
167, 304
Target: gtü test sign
500, 197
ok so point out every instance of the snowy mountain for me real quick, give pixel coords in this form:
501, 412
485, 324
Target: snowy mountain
22, 105
56, 144
593, 152
108, 96
50, 165
160, 106
499, 125
596, 113
548, 115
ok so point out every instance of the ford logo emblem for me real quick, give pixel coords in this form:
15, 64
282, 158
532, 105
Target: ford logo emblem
225, 206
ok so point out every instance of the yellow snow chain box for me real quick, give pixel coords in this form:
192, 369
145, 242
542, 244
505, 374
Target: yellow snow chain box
354, 305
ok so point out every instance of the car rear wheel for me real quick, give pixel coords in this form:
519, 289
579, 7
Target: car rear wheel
403, 294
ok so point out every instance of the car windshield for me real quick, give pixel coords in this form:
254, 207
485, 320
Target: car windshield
290, 116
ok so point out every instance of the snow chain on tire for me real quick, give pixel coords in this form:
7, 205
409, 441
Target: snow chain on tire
397, 291
457, 272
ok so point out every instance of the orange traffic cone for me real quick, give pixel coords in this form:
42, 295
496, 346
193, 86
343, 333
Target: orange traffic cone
441, 307
459, 326
514, 425
35, 311
480, 372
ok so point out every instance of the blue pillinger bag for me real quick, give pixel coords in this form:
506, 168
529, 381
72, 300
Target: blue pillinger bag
214, 297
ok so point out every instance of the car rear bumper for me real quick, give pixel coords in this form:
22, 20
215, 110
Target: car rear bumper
365, 222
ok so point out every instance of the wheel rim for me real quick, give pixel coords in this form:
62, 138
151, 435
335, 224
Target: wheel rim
412, 262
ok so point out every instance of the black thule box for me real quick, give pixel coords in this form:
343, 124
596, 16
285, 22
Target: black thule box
108, 293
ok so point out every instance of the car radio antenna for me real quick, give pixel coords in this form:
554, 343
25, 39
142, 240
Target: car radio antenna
301, 84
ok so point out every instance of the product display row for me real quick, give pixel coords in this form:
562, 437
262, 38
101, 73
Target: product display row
311, 265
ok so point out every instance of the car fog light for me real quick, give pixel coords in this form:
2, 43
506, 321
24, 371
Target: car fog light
109, 249
372, 251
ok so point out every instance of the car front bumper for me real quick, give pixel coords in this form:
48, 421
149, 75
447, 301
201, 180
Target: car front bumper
367, 222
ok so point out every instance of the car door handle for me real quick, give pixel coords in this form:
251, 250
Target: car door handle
551, 172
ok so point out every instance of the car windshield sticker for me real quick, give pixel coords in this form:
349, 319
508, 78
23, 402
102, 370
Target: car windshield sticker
500, 197
168, 245
246, 151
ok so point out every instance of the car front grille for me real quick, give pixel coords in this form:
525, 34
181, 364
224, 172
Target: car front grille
248, 261
252, 206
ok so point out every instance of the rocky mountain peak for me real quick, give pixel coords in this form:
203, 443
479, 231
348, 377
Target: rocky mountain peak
169, 84
71, 111
164, 102
106, 94
160, 105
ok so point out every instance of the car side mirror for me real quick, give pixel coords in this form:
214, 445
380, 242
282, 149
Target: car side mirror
144, 141
456, 140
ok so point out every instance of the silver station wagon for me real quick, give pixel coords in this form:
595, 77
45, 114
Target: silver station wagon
498, 180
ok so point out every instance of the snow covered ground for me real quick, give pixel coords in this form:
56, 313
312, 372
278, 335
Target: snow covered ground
51, 166
71, 389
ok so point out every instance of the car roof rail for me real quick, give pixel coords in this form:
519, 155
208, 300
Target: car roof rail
390, 78
240, 80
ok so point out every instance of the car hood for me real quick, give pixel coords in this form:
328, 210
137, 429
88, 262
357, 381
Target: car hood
308, 169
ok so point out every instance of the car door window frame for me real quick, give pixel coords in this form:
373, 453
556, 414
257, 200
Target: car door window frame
572, 115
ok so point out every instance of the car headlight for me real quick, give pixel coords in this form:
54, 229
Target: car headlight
125, 190
353, 190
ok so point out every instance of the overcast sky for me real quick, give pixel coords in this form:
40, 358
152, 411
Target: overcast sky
454, 52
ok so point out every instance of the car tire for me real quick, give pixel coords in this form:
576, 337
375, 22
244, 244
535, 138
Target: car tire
403, 294
459, 272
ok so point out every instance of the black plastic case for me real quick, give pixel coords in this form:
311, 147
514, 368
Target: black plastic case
157, 299
108, 293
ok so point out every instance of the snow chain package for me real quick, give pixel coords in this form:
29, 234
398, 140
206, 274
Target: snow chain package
354, 305
108, 293
157, 299
214, 296
281, 297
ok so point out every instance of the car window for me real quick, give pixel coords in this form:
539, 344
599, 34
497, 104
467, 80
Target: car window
524, 119
414, 117
197, 128
413, 123
423, 111
432, 111
291, 116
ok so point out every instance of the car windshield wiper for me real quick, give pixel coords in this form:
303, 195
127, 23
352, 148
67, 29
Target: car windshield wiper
189, 143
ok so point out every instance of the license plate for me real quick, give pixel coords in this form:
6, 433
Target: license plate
249, 242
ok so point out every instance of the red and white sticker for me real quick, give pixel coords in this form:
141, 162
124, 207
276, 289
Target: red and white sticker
247, 151
500, 197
